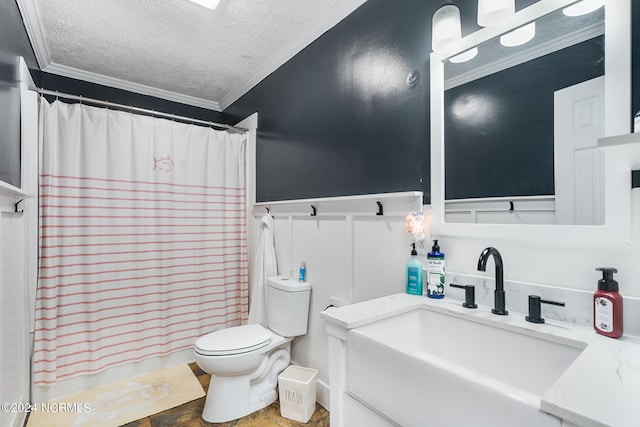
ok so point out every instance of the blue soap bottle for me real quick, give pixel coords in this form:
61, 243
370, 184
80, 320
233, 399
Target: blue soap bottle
435, 272
302, 277
414, 273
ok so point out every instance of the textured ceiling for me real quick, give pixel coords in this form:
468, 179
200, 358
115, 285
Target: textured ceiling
176, 49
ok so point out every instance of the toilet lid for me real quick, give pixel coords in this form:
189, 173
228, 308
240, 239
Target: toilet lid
234, 340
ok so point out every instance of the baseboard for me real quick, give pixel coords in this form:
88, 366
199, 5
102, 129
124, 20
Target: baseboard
322, 395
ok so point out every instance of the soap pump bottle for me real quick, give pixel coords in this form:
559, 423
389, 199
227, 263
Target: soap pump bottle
414, 273
302, 276
435, 272
607, 305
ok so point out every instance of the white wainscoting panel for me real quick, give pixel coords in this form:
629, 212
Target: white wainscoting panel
351, 254
381, 251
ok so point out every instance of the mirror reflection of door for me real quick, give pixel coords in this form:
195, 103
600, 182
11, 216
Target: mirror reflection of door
578, 123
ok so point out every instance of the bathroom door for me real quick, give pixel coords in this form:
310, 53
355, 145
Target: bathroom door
579, 122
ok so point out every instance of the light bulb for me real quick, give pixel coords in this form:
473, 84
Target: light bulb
519, 36
583, 7
492, 12
464, 56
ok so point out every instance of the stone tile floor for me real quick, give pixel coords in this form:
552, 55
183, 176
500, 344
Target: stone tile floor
189, 414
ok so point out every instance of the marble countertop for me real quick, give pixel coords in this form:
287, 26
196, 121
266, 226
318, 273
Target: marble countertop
600, 388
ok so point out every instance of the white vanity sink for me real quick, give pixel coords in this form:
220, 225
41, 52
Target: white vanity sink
454, 370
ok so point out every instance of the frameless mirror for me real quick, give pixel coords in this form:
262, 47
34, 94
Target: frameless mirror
520, 125
619, 149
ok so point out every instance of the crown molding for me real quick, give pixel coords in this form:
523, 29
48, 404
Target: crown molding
74, 73
337, 12
31, 19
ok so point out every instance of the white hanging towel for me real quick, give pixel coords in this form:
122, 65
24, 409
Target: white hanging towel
265, 266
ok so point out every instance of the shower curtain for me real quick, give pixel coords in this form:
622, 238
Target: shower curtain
142, 238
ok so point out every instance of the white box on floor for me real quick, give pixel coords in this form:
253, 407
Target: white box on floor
297, 390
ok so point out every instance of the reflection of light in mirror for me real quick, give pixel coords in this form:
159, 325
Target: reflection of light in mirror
473, 109
492, 12
465, 56
519, 36
583, 7
446, 28
378, 72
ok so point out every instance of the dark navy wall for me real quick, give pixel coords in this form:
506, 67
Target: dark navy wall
510, 151
635, 58
324, 128
13, 36
338, 119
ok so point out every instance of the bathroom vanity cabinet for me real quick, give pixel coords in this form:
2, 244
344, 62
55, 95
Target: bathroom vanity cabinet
409, 360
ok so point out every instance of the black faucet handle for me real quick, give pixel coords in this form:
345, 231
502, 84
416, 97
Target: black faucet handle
535, 310
469, 295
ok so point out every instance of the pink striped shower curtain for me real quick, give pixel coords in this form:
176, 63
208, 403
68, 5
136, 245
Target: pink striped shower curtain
142, 238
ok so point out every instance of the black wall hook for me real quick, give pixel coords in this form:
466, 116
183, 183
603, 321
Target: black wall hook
268, 210
380, 209
314, 213
511, 208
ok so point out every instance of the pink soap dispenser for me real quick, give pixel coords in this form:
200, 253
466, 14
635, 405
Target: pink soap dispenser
607, 305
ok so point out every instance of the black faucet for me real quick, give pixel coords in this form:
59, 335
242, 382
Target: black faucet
499, 304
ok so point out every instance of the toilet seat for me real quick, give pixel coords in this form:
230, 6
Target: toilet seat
234, 340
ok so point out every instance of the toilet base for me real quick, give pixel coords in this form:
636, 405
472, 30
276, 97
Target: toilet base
229, 402
230, 398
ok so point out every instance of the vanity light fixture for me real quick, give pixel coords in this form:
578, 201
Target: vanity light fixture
209, 4
492, 12
446, 29
464, 56
583, 7
519, 36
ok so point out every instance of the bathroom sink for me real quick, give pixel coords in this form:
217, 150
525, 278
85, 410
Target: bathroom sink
454, 370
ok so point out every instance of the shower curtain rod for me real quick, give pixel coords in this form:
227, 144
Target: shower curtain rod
139, 110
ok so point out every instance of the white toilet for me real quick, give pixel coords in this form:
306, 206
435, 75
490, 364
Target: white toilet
245, 361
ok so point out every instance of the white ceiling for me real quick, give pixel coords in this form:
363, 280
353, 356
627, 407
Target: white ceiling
175, 49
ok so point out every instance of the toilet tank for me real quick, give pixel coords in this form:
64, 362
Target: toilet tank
287, 305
